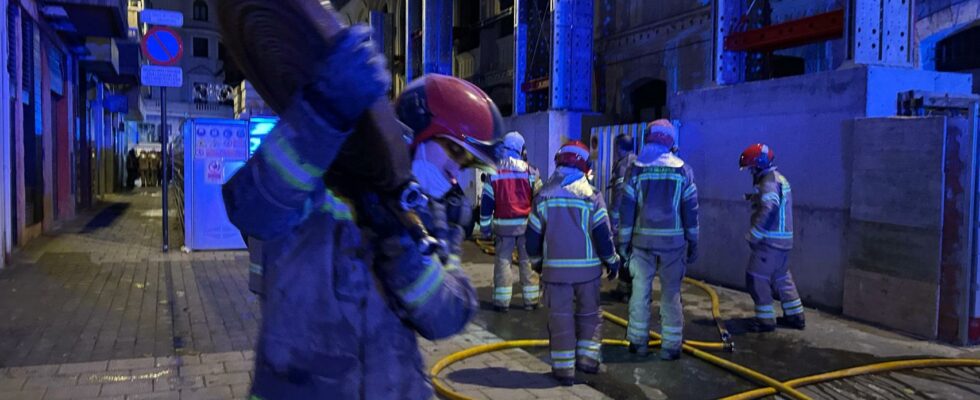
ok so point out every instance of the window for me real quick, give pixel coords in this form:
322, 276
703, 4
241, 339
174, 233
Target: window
201, 47
200, 10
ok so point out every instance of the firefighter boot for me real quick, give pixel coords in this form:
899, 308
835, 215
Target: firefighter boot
796, 321
761, 325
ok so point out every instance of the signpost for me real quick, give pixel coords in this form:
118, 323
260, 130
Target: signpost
163, 47
162, 18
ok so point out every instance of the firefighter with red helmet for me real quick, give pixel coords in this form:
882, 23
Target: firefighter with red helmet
770, 237
570, 239
504, 207
658, 234
347, 287
446, 115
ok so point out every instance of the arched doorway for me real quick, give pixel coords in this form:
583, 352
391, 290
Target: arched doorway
647, 100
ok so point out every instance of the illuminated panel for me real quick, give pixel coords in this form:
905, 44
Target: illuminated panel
258, 129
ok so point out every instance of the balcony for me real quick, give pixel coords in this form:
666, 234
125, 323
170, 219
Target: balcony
99, 18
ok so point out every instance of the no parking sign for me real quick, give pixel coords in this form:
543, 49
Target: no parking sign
162, 46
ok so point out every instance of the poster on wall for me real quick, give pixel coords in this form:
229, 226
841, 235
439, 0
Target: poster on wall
214, 174
220, 141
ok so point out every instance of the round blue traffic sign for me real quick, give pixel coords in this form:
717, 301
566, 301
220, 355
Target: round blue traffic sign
162, 46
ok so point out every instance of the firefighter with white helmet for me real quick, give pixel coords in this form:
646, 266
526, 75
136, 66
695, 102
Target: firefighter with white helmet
504, 208
658, 234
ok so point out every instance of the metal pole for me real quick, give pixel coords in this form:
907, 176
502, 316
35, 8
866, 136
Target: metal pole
164, 153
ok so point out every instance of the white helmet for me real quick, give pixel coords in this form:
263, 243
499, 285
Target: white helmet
513, 140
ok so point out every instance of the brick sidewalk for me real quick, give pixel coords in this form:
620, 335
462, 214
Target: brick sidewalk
97, 311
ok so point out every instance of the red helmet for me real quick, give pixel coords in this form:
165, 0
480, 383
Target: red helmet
444, 107
757, 155
661, 132
573, 154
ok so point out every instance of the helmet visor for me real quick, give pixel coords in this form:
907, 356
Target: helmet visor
469, 153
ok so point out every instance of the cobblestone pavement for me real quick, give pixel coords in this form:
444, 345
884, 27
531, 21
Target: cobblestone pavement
97, 311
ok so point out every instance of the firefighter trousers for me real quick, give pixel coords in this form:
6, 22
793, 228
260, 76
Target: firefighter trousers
502, 272
574, 323
767, 277
644, 265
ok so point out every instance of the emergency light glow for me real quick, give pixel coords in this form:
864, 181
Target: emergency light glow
258, 128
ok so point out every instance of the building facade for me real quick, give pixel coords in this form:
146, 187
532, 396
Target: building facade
63, 61
204, 93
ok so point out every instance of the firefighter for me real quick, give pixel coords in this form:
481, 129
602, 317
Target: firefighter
505, 205
347, 288
625, 157
770, 237
434, 166
570, 239
658, 234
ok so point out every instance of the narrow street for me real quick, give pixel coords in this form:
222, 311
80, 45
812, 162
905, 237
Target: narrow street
97, 311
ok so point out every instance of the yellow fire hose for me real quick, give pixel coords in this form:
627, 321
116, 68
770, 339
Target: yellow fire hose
888, 366
693, 347
747, 373
440, 365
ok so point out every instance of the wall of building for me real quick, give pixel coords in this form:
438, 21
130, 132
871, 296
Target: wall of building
6, 243
637, 43
203, 75
807, 120
936, 20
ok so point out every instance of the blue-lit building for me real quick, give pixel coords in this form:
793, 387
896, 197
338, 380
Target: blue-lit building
66, 67
797, 74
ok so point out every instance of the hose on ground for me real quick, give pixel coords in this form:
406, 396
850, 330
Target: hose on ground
888, 366
443, 390
738, 369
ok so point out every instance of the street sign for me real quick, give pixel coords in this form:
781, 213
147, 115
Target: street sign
162, 17
162, 46
154, 75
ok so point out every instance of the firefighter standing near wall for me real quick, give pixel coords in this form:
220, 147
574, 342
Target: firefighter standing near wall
625, 158
504, 207
771, 238
569, 237
658, 233
347, 287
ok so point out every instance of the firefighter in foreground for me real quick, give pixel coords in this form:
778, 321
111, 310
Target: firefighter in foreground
433, 166
569, 235
658, 233
504, 207
346, 287
771, 238
625, 158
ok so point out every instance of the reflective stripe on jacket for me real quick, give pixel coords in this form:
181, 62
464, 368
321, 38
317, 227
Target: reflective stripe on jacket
617, 182
506, 199
342, 305
569, 231
772, 216
659, 208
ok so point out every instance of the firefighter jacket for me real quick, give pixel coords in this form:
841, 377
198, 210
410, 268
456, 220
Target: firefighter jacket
341, 308
772, 211
506, 200
659, 208
617, 181
569, 231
